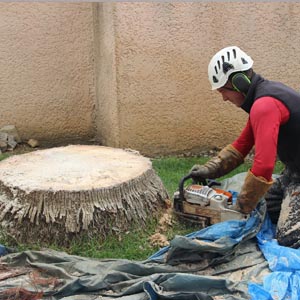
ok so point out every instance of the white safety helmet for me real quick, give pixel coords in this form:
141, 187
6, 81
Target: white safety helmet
227, 61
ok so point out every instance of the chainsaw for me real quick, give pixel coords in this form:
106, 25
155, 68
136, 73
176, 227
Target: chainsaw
205, 204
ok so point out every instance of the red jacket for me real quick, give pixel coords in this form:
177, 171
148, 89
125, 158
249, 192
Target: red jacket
261, 131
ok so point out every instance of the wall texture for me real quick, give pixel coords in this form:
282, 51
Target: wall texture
107, 104
47, 70
134, 75
163, 100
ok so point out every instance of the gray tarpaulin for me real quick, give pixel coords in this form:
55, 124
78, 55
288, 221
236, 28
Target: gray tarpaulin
215, 263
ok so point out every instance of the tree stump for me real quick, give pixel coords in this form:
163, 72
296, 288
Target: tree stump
56, 195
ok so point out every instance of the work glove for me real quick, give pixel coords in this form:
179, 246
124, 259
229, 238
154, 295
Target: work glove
199, 173
227, 159
252, 191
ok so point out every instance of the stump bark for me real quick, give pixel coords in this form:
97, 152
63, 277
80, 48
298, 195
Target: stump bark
60, 194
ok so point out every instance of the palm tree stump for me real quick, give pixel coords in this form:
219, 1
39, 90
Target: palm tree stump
56, 195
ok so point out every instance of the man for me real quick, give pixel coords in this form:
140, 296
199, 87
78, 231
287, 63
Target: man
273, 128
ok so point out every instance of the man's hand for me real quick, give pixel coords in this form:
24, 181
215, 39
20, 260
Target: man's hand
226, 160
199, 173
252, 190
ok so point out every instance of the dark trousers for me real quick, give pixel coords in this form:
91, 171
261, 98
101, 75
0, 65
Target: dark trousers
283, 205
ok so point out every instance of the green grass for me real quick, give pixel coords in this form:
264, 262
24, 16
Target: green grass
134, 245
4, 155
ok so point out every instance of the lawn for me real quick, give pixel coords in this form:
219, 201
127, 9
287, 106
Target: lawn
134, 244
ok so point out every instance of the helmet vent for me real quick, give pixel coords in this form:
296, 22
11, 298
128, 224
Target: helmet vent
219, 64
223, 59
227, 66
244, 61
215, 80
228, 56
216, 70
234, 53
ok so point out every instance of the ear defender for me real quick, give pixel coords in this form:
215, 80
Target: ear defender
241, 82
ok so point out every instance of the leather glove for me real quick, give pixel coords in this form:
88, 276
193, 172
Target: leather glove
227, 159
253, 189
199, 173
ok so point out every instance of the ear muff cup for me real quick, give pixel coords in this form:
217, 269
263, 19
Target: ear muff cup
240, 82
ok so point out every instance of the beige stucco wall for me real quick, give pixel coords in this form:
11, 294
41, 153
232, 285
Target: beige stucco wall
47, 70
162, 101
134, 75
108, 102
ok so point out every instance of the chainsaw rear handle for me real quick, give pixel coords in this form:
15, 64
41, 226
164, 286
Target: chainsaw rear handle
183, 180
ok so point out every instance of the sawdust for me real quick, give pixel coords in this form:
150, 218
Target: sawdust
165, 222
159, 239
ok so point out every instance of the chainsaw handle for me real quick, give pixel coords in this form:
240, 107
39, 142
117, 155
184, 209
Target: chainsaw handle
184, 179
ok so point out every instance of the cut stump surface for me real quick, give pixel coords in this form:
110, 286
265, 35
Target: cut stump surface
58, 194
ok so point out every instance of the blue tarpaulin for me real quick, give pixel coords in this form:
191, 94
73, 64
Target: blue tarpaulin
284, 262
3, 250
